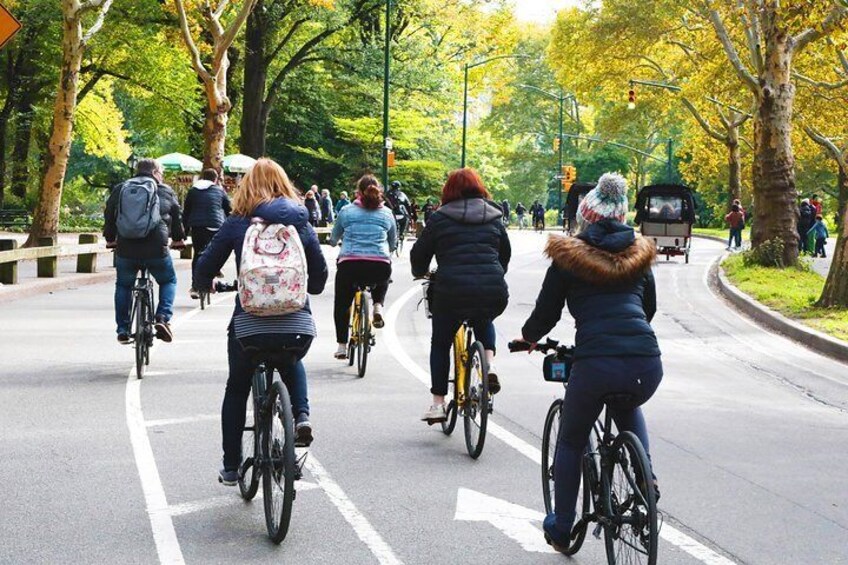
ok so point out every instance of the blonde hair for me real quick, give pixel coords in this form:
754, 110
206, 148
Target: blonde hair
264, 182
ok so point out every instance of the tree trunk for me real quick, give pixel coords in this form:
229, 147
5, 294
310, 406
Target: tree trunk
253, 122
215, 136
835, 293
25, 112
5, 114
46, 218
734, 165
775, 206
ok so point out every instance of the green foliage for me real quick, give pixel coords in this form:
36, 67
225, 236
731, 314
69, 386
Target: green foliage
768, 254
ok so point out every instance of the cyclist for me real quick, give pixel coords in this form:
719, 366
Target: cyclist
505, 209
520, 210
604, 276
537, 211
206, 207
472, 250
400, 205
265, 192
368, 234
150, 252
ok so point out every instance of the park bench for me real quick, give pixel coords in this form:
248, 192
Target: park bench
12, 218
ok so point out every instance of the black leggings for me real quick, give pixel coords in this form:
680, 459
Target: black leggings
200, 238
350, 274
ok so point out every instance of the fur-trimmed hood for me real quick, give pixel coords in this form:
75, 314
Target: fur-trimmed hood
608, 254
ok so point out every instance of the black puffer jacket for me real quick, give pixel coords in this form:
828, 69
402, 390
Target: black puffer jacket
206, 206
472, 251
155, 245
605, 276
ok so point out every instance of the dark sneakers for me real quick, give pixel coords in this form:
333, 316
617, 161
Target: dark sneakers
554, 536
123, 339
163, 330
228, 478
303, 432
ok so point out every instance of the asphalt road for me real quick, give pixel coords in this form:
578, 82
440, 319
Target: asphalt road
748, 434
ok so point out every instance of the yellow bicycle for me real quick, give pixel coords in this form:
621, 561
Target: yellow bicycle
361, 334
468, 390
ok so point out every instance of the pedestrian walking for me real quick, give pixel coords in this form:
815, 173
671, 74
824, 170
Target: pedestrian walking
520, 211
806, 219
819, 232
505, 210
313, 207
327, 212
206, 207
341, 202
735, 220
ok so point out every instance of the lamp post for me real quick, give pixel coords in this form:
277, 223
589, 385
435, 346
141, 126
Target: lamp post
386, 76
469, 66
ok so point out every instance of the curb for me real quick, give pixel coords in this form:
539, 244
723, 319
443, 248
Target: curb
36, 287
775, 321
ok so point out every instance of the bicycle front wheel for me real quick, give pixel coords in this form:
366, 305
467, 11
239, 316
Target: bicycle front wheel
450, 410
550, 434
279, 463
476, 408
630, 503
363, 345
141, 356
249, 472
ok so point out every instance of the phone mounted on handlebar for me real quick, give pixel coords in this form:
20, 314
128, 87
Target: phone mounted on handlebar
557, 365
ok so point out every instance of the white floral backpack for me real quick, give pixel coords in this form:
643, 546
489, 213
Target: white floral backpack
273, 273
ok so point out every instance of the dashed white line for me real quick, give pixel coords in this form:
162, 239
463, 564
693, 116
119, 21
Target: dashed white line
223, 501
672, 535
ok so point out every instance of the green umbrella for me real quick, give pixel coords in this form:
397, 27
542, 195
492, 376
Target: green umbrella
178, 162
238, 163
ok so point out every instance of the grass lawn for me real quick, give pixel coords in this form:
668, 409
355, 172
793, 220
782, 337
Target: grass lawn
792, 292
721, 233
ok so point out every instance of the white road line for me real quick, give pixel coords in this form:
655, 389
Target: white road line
672, 535
227, 500
186, 420
349, 512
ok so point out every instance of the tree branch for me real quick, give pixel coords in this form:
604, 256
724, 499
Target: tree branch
828, 145
285, 40
838, 13
741, 71
196, 62
104, 6
705, 125
229, 36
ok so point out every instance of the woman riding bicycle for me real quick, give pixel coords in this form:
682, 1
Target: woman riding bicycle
604, 276
368, 234
266, 193
472, 250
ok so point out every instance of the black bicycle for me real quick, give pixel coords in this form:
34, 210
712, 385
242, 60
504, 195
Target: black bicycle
141, 321
617, 489
268, 445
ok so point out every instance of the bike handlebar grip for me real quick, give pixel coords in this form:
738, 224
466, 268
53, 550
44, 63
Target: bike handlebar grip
516, 346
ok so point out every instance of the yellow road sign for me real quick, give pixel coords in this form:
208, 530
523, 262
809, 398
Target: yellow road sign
9, 26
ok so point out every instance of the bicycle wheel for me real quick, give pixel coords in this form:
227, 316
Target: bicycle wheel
249, 472
279, 463
629, 500
450, 410
550, 434
351, 342
363, 345
140, 337
476, 410
203, 301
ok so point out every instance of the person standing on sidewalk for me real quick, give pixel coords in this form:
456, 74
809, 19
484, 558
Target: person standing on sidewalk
327, 212
819, 231
206, 207
736, 222
141, 214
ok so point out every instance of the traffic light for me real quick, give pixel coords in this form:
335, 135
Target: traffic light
569, 173
556, 144
631, 99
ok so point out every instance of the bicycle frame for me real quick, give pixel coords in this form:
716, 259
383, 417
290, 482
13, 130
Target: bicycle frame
461, 344
354, 320
142, 290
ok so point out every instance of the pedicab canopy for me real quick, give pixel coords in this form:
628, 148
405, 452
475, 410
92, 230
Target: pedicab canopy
665, 203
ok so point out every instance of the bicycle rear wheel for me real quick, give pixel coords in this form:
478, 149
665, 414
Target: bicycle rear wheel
249, 472
279, 463
363, 345
629, 499
476, 410
450, 410
140, 337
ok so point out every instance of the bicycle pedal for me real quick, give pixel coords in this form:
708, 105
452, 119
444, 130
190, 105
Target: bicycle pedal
597, 531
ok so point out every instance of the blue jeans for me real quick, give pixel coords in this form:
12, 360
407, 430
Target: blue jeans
735, 235
234, 408
591, 379
444, 330
161, 269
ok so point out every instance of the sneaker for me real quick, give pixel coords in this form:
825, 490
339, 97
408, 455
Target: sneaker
435, 415
303, 434
228, 478
341, 351
554, 536
494, 383
123, 338
378, 317
193, 293
163, 330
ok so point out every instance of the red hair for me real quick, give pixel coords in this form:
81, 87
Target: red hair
464, 183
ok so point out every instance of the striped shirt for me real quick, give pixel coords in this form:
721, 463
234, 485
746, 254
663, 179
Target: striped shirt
299, 323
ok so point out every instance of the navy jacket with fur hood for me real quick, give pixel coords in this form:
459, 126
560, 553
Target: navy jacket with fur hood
472, 251
604, 275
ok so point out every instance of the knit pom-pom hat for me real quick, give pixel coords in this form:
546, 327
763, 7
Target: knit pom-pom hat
607, 201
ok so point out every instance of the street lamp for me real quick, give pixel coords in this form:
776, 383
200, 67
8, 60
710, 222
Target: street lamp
465, 95
132, 162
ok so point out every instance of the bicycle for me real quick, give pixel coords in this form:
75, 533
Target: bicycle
362, 337
402, 225
616, 476
270, 443
141, 321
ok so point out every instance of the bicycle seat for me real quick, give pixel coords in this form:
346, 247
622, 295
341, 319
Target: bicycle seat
619, 400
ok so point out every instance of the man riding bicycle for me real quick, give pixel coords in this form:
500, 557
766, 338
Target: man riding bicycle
141, 214
400, 205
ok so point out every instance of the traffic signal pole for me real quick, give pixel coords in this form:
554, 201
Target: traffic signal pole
464, 117
386, 76
561, 118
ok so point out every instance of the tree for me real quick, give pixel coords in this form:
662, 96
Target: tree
75, 40
214, 75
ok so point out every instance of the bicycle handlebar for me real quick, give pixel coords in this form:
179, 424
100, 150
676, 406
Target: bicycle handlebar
549, 345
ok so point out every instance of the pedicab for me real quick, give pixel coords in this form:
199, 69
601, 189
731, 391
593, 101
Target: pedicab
665, 214
578, 192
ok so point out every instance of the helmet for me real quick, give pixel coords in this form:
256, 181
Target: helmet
396, 184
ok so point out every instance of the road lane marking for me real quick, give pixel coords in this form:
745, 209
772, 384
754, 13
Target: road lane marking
516, 522
672, 535
360, 524
226, 500
186, 420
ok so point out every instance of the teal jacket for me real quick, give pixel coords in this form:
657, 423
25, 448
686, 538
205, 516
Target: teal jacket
365, 234
819, 229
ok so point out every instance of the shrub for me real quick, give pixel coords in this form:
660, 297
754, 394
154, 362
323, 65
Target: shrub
768, 254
